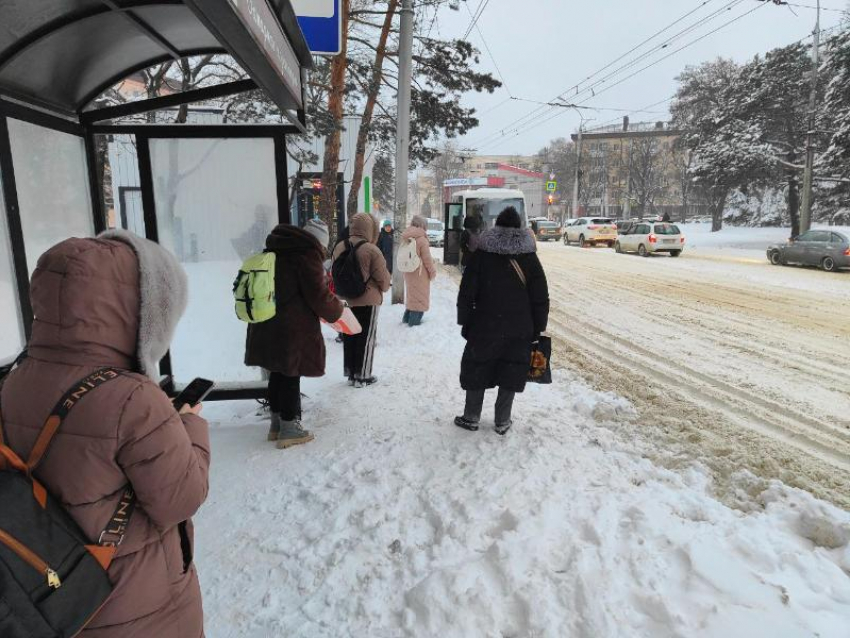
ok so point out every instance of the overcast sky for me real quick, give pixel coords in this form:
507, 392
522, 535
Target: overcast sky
545, 47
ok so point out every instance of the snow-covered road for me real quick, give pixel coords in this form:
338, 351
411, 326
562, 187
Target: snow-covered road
738, 363
395, 523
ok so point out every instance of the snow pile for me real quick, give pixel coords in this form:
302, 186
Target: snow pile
396, 523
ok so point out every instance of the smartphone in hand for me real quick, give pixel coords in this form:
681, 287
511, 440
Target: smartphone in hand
193, 393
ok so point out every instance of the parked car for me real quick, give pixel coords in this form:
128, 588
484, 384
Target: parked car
591, 231
647, 238
436, 232
545, 230
824, 248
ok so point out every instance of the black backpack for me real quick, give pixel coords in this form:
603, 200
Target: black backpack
347, 274
53, 580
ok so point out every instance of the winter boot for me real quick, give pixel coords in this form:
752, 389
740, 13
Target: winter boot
467, 424
502, 428
291, 433
362, 383
274, 428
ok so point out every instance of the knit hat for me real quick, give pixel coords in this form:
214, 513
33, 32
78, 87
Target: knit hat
509, 218
319, 229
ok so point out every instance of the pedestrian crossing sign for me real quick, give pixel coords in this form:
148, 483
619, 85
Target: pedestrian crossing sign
551, 187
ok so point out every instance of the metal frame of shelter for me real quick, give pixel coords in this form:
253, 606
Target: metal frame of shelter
262, 35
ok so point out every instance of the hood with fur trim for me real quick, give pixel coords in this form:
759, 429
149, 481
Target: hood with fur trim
507, 241
163, 296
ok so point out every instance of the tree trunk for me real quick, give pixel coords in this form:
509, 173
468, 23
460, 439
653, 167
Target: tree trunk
330, 168
366, 120
794, 203
718, 205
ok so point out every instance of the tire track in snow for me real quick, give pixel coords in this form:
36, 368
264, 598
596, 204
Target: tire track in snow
726, 425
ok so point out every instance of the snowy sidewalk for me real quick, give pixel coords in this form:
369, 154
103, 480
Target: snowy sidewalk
396, 523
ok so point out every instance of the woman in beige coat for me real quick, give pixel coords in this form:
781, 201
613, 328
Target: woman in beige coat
418, 283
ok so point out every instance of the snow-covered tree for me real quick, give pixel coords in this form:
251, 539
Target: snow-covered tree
696, 112
835, 161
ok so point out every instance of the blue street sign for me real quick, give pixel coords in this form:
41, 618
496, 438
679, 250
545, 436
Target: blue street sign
321, 23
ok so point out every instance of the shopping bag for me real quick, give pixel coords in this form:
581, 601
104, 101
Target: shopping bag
541, 366
347, 324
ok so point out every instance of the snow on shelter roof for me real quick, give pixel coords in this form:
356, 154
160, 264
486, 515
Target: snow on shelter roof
62, 54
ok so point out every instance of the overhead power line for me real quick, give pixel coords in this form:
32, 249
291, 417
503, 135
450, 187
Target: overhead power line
478, 13
542, 111
487, 47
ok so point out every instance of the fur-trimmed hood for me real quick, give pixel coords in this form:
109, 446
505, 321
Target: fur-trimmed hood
163, 296
507, 241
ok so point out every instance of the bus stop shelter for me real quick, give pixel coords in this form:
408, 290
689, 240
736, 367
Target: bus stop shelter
209, 193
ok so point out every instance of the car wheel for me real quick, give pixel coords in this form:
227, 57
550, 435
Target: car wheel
583, 242
617, 247
828, 264
642, 251
566, 240
611, 244
675, 253
776, 258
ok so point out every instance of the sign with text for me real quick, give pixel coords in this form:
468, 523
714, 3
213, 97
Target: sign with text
321, 24
265, 28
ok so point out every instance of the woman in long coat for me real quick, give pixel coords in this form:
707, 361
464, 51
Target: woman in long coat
503, 307
290, 344
418, 283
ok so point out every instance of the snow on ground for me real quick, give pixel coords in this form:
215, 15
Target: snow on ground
396, 523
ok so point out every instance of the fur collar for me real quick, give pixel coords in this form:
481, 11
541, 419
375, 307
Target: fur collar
164, 291
507, 241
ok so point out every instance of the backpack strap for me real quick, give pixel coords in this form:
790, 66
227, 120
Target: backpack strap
518, 269
70, 399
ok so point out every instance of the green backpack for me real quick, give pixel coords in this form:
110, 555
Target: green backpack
253, 290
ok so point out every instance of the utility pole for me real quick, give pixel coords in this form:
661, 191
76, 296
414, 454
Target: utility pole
806, 212
402, 164
578, 169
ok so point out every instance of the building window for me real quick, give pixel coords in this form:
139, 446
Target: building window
492, 166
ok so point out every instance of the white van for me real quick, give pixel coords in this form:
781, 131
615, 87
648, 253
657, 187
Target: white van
436, 231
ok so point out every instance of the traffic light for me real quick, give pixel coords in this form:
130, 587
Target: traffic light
551, 199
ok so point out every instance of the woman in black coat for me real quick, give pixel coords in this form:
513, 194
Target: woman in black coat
503, 307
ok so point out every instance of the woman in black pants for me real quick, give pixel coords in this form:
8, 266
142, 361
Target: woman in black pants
290, 345
503, 307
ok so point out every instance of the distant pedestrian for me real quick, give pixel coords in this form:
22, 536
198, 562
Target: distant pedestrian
469, 239
503, 306
290, 344
665, 217
385, 243
360, 348
418, 283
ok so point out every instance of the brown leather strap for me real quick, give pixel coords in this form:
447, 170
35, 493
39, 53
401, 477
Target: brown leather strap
7, 455
73, 396
519, 271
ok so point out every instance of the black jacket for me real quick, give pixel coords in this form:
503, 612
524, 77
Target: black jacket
385, 243
291, 342
500, 316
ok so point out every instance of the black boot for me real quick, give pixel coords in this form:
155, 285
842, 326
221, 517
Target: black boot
466, 424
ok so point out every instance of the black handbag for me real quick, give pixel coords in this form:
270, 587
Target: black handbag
540, 370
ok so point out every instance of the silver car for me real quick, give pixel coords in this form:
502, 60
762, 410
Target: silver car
824, 248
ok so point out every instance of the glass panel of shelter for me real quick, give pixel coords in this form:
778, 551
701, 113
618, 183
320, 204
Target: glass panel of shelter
52, 185
12, 333
216, 201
